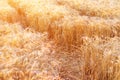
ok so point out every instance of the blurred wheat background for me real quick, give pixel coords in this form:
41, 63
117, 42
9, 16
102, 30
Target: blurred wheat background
59, 39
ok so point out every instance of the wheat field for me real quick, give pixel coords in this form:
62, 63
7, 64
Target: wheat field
59, 39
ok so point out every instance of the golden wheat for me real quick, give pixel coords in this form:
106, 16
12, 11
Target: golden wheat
8, 13
66, 24
87, 31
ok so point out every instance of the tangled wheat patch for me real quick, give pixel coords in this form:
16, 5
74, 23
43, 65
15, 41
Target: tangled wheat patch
59, 39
